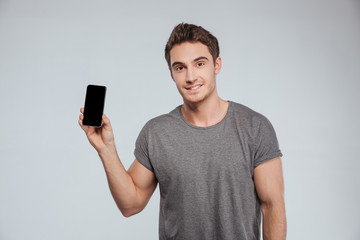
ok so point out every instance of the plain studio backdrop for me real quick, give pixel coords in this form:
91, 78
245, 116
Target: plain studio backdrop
296, 62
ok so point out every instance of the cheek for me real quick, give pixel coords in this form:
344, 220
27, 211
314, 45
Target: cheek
179, 88
177, 78
210, 76
177, 82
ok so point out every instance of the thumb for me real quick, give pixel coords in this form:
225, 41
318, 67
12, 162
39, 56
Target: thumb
106, 123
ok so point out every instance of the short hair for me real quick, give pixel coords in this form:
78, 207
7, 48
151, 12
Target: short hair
185, 32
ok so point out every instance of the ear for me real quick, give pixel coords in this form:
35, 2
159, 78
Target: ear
217, 65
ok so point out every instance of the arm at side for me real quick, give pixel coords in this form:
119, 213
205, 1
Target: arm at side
269, 184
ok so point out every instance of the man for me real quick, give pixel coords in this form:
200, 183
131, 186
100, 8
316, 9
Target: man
217, 162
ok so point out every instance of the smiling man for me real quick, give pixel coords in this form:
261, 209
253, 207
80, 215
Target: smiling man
217, 162
194, 71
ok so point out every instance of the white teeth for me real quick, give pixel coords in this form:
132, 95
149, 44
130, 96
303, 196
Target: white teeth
196, 87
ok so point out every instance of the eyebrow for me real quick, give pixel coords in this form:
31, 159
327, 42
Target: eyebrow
195, 60
200, 58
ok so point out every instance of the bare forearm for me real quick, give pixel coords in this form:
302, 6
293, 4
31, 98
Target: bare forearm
274, 222
120, 182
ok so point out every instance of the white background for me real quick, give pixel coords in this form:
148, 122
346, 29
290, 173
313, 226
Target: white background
296, 62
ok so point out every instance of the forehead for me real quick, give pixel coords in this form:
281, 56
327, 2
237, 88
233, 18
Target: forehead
188, 51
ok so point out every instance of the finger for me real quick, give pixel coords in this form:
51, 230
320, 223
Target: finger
105, 118
81, 125
106, 122
82, 110
81, 117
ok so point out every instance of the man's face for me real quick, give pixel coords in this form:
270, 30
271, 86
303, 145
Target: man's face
194, 72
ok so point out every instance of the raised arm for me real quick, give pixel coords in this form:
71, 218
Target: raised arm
130, 189
269, 183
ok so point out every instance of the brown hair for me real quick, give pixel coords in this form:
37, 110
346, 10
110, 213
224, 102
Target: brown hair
185, 32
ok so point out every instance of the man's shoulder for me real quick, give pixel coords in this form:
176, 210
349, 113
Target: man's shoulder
244, 111
247, 117
164, 120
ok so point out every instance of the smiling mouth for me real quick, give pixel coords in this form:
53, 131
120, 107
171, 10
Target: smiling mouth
194, 87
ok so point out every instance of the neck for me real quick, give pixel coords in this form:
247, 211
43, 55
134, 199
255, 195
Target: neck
205, 114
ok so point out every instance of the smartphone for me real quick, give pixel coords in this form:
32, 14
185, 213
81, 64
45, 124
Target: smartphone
94, 105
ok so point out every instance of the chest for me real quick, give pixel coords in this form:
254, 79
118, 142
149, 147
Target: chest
184, 158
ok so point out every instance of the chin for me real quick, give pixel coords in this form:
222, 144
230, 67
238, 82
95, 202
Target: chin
193, 100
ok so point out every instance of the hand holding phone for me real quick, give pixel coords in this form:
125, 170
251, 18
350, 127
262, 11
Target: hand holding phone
95, 124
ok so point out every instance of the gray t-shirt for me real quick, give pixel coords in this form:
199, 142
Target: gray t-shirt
205, 174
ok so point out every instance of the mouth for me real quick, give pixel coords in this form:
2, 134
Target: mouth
193, 88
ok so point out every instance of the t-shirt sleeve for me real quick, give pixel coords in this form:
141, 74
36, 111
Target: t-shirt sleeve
266, 143
141, 151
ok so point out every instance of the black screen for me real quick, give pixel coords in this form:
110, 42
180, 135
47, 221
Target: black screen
94, 105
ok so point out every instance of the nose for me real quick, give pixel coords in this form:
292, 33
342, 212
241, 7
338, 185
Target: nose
190, 75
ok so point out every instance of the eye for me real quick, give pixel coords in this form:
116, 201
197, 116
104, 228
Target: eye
179, 68
200, 64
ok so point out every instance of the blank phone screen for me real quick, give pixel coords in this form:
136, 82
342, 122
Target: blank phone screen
94, 105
